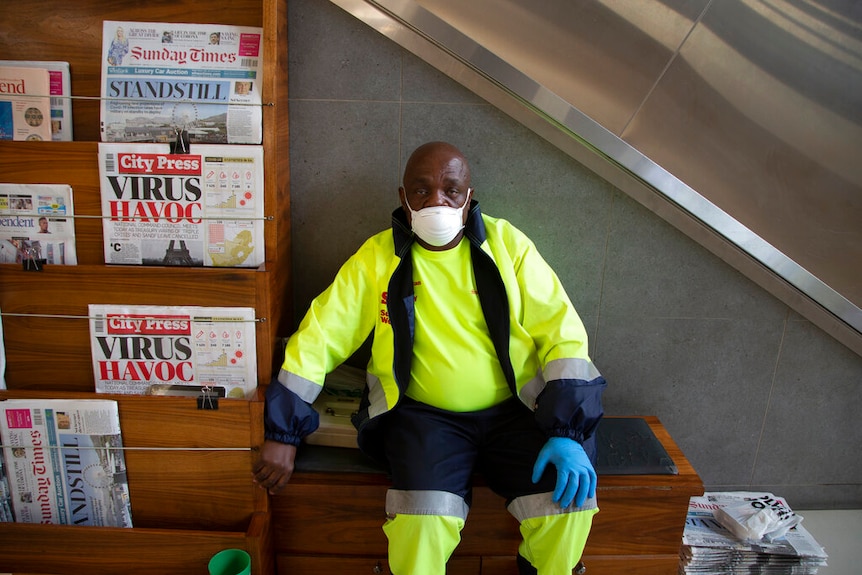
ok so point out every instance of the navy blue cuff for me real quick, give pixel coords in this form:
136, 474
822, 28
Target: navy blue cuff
283, 437
571, 408
286, 417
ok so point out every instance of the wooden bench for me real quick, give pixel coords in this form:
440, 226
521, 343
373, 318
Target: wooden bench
328, 520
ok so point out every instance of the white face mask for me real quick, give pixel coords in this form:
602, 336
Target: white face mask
438, 225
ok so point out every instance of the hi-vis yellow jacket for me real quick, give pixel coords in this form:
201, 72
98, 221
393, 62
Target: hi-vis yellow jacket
540, 341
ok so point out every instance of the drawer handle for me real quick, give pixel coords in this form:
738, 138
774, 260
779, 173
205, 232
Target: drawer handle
378, 568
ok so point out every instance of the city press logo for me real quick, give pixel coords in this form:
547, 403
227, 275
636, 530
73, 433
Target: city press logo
162, 164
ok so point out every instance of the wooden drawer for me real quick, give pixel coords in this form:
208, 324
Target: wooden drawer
367, 565
597, 565
370, 565
348, 518
638, 521
330, 518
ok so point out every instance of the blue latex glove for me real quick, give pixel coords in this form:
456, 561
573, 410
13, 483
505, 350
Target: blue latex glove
576, 478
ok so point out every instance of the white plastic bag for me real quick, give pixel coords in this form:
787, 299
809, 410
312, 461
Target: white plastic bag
755, 518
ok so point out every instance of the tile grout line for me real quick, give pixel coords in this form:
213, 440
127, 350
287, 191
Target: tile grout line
769, 398
594, 352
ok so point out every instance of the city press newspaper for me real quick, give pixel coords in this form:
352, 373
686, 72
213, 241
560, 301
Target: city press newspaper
64, 462
145, 349
36, 222
204, 208
158, 78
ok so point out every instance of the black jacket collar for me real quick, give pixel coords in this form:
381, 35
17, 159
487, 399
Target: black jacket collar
489, 284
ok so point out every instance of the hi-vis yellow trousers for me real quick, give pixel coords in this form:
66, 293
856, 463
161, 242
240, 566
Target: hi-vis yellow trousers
433, 456
421, 544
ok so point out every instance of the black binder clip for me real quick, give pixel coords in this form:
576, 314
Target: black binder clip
33, 264
181, 145
30, 261
208, 399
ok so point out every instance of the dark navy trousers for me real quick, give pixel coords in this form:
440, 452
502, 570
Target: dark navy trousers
433, 449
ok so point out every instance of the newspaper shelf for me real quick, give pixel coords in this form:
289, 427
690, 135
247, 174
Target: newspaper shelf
190, 488
56, 301
110, 550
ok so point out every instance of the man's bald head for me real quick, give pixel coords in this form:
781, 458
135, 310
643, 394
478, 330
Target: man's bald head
440, 152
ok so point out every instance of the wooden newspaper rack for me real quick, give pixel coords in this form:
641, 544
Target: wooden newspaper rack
189, 469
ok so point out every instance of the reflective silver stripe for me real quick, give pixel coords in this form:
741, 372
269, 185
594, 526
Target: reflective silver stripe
425, 503
376, 396
571, 368
567, 368
306, 389
541, 505
531, 390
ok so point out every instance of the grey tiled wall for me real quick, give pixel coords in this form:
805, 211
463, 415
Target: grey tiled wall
757, 397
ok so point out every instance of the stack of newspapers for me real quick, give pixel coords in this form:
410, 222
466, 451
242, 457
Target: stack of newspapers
708, 546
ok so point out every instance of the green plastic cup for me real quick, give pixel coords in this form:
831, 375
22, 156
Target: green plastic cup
230, 562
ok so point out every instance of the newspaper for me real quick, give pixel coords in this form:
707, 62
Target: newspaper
6, 514
2, 356
25, 107
37, 223
60, 89
64, 462
204, 208
708, 547
158, 78
144, 349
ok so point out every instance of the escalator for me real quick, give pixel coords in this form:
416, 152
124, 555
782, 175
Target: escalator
737, 121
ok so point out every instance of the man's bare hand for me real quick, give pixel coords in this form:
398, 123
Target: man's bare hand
274, 467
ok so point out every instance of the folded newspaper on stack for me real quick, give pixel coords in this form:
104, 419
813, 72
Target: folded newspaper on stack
64, 462
708, 547
174, 350
36, 223
756, 518
161, 78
